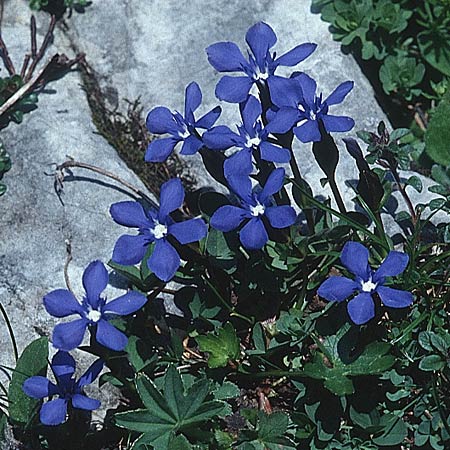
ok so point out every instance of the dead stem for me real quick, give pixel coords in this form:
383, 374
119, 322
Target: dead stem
59, 177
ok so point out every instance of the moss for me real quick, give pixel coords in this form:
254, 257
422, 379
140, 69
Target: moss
127, 133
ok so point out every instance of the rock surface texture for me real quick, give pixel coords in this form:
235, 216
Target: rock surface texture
151, 49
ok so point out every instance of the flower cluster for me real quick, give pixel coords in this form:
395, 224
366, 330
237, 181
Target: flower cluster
273, 109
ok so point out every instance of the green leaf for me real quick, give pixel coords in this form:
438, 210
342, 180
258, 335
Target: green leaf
437, 137
33, 361
222, 347
394, 432
337, 378
431, 362
415, 182
169, 412
226, 390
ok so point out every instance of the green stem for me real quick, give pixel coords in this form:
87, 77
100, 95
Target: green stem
438, 404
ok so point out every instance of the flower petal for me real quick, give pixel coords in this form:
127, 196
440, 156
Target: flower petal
394, 298
160, 120
95, 280
228, 217
91, 373
283, 120
285, 91
39, 387
361, 308
338, 95
160, 149
67, 336
355, 257
193, 98
191, 230
260, 38
125, 304
337, 289
209, 119
337, 123
226, 57
130, 250
274, 153
82, 402
394, 264
296, 55
281, 216
129, 214
309, 87
250, 113
62, 303
53, 412
239, 165
220, 138
253, 235
110, 337
171, 198
164, 261
308, 132
233, 89
63, 365
191, 145
273, 184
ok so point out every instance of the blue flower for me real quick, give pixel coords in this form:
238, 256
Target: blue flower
161, 120
254, 207
259, 69
300, 106
251, 135
367, 282
94, 311
66, 388
155, 226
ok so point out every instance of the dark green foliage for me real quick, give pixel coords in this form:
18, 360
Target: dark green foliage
33, 361
5, 165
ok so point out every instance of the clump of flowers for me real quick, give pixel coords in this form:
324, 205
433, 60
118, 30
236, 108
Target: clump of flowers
249, 269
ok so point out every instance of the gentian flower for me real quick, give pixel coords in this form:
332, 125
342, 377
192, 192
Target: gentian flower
251, 135
161, 120
300, 107
259, 69
254, 207
94, 311
361, 308
155, 226
66, 388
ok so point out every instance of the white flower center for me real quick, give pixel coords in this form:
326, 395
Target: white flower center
368, 286
159, 231
257, 210
261, 75
312, 115
94, 315
184, 135
252, 141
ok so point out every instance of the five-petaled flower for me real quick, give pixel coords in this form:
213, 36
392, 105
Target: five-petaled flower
94, 311
254, 207
299, 106
67, 389
259, 69
367, 282
161, 120
251, 135
155, 226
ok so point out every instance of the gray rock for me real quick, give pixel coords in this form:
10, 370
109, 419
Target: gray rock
34, 226
159, 48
